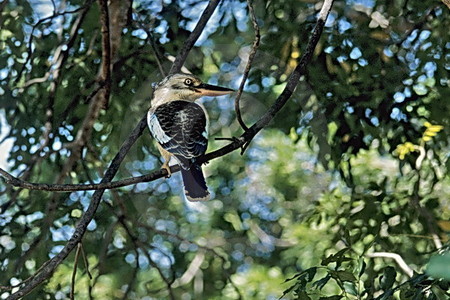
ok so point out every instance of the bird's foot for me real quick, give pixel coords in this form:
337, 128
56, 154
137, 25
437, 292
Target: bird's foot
243, 143
231, 139
166, 166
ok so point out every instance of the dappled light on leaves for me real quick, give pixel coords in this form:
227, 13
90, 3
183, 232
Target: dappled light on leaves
341, 191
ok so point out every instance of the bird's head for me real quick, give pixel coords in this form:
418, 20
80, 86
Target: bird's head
185, 87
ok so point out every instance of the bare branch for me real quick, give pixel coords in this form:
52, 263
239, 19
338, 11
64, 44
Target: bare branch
60, 56
74, 272
193, 37
86, 262
167, 282
100, 96
447, 2
84, 187
237, 143
251, 56
151, 39
106, 52
193, 268
49, 267
157, 54
82, 8
398, 259
292, 82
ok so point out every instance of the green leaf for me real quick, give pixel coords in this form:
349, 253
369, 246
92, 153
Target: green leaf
362, 267
319, 284
311, 272
350, 288
293, 277
303, 295
288, 290
343, 275
388, 278
337, 258
439, 266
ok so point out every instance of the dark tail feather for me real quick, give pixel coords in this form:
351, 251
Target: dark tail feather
194, 184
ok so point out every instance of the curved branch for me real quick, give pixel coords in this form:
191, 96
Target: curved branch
85, 6
245, 138
397, 258
50, 266
237, 143
251, 56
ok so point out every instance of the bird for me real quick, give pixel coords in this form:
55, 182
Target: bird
180, 127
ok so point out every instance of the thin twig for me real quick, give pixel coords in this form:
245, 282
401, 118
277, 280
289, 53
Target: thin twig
105, 74
167, 282
134, 240
203, 247
193, 37
99, 99
292, 82
86, 218
151, 39
74, 273
40, 22
86, 262
241, 142
251, 56
60, 56
157, 55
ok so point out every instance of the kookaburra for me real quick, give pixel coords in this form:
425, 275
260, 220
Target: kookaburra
180, 127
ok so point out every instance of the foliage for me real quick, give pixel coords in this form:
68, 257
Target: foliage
355, 165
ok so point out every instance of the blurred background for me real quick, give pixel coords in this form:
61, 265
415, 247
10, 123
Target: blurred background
354, 166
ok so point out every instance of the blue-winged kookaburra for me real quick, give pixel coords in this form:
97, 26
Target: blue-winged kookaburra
180, 127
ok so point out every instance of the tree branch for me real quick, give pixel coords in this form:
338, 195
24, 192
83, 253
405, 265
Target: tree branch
14, 181
292, 82
398, 259
50, 266
447, 2
251, 56
193, 37
86, 218
237, 143
86, 6
106, 53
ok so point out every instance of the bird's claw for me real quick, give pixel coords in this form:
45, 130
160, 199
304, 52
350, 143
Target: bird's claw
167, 168
236, 140
231, 139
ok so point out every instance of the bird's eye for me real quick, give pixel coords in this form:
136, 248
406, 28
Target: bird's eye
188, 82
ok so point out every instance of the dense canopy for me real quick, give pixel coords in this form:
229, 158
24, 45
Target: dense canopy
344, 194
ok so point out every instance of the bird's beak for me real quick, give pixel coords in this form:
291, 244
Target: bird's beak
212, 90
